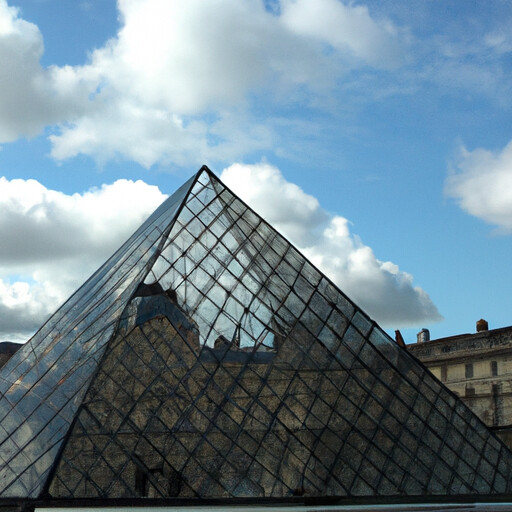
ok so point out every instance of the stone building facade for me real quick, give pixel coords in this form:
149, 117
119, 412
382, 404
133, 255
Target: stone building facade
477, 367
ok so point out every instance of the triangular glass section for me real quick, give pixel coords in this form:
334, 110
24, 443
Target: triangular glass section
231, 368
43, 384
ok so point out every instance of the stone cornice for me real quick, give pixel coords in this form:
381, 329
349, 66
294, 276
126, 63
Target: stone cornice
497, 341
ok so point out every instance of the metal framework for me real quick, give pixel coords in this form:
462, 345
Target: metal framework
208, 358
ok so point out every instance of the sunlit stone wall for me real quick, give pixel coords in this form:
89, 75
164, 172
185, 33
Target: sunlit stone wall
478, 368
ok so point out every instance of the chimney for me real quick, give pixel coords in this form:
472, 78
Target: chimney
423, 336
482, 325
399, 338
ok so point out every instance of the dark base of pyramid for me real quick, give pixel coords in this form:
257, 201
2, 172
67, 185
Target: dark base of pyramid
414, 503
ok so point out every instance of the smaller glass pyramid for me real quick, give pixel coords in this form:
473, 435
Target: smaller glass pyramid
207, 358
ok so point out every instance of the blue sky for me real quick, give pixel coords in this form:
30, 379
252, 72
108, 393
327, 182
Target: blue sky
375, 135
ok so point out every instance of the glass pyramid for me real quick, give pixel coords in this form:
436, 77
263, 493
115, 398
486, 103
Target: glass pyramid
207, 358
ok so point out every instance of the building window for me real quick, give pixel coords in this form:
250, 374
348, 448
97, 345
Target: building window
494, 368
497, 400
469, 370
444, 373
470, 391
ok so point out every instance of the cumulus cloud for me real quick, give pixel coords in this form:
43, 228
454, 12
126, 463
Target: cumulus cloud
145, 94
32, 97
481, 183
379, 287
51, 242
24, 308
340, 25
21, 76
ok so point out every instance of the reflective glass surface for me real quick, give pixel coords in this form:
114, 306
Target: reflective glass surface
43, 384
209, 358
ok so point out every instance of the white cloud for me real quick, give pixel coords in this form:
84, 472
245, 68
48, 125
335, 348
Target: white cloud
482, 185
51, 242
380, 288
31, 96
176, 74
341, 26
24, 307
22, 78
145, 94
